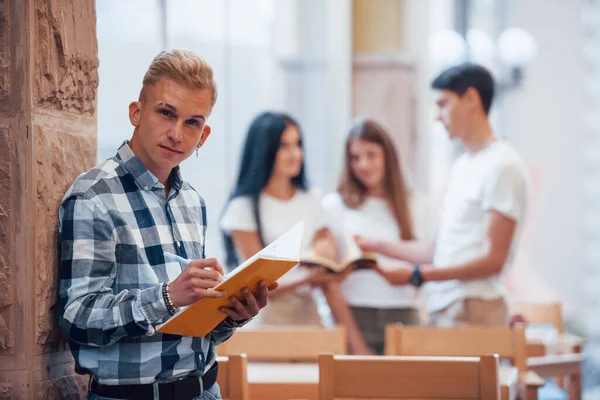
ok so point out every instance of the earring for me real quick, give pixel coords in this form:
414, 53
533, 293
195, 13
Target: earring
197, 151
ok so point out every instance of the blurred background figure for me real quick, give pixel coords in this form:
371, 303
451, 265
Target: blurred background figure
270, 197
374, 202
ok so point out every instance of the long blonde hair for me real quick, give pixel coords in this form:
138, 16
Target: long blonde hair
354, 193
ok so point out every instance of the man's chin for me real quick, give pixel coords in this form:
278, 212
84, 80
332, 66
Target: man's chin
170, 163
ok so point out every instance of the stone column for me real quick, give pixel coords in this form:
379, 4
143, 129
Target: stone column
385, 77
48, 81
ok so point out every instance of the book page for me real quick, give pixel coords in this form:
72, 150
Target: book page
353, 252
287, 247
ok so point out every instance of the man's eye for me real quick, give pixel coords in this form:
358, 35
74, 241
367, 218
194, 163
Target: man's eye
194, 122
166, 113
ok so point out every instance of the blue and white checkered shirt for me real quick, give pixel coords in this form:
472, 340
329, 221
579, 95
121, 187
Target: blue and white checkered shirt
115, 223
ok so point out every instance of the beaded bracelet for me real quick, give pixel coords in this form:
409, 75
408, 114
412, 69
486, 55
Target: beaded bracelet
167, 298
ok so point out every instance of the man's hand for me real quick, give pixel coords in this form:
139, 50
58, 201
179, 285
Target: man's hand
251, 305
396, 276
196, 282
367, 246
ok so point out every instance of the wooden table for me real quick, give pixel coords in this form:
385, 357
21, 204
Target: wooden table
563, 343
284, 381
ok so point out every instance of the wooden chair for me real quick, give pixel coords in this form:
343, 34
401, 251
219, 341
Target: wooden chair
279, 348
286, 344
549, 314
508, 343
408, 377
540, 313
567, 361
232, 378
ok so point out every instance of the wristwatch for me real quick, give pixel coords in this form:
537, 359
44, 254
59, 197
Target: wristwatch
231, 323
416, 279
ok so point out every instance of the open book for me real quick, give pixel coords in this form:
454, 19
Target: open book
269, 264
355, 259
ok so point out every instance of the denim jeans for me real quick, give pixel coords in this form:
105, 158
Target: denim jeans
214, 393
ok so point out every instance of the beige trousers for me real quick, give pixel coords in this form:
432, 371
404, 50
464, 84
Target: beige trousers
472, 312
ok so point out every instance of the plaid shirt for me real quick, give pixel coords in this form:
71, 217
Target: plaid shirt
115, 223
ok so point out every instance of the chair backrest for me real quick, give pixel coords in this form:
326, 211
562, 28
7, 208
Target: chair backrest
541, 313
507, 343
282, 344
233, 378
408, 377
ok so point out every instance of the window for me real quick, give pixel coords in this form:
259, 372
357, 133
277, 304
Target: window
285, 55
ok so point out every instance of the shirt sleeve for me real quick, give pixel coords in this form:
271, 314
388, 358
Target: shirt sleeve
90, 312
238, 216
505, 191
221, 333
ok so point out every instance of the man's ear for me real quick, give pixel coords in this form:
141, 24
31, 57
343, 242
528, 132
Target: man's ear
135, 109
205, 134
472, 97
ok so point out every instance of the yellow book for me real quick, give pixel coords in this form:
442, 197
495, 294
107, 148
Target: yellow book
269, 264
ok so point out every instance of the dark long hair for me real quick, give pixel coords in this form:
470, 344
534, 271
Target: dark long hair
258, 159
354, 193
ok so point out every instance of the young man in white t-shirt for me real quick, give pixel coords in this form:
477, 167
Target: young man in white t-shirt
484, 208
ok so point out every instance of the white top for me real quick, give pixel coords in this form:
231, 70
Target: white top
374, 220
496, 179
277, 217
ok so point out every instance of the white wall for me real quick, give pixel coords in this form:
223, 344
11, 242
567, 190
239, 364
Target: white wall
543, 121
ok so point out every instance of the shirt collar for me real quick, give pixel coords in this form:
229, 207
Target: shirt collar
145, 179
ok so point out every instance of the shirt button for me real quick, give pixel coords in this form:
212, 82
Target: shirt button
145, 187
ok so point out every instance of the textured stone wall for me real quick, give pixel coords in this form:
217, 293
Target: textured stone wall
48, 83
4, 57
7, 184
65, 80
13, 327
66, 70
59, 158
64, 388
6, 245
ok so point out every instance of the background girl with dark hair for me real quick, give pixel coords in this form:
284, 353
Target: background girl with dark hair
271, 195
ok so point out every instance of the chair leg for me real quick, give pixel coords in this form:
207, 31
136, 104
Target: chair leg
574, 388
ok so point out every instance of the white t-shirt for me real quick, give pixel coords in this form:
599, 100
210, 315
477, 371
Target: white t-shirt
374, 220
277, 217
496, 179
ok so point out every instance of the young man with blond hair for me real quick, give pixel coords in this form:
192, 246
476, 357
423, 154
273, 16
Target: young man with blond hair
116, 221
